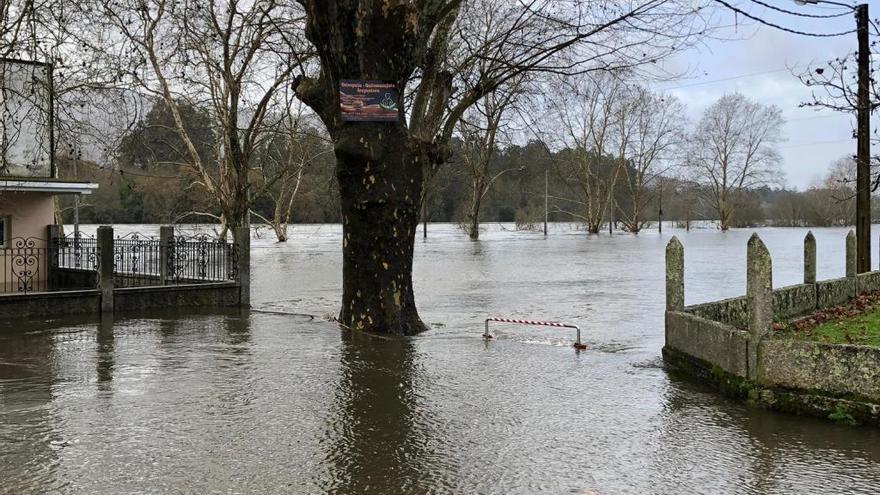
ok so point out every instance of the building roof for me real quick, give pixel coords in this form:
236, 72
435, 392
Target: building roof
47, 185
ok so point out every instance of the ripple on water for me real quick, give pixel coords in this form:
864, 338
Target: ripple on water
270, 403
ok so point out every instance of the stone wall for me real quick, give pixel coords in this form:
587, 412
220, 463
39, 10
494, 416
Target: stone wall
868, 282
708, 340
733, 311
49, 304
794, 300
220, 294
730, 344
834, 292
840, 370
79, 302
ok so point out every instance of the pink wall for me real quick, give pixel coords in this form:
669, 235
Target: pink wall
30, 213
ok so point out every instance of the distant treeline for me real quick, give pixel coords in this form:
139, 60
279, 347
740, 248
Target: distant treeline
147, 184
162, 194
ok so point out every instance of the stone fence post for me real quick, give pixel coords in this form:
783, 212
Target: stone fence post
674, 275
759, 291
851, 254
243, 245
53, 244
105, 267
166, 237
809, 258
851, 257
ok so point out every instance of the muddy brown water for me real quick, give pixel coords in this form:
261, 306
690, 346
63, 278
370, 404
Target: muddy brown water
230, 402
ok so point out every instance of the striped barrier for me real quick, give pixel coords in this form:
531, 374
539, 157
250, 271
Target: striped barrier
577, 342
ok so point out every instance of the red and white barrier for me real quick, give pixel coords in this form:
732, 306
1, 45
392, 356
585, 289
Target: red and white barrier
577, 342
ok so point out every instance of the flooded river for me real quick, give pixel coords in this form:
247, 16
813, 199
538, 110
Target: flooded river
272, 403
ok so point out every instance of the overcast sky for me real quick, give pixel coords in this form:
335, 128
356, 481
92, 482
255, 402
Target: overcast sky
754, 62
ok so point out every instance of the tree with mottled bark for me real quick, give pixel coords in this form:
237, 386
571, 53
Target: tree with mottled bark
733, 149
443, 58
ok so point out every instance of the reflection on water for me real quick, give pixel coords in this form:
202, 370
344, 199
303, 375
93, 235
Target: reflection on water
266, 403
377, 443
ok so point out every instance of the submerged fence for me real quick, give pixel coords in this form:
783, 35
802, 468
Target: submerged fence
74, 261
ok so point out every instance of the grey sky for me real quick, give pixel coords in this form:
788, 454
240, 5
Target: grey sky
813, 138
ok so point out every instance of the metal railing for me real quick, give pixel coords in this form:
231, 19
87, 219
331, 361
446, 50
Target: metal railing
24, 265
77, 251
201, 258
72, 262
137, 260
577, 343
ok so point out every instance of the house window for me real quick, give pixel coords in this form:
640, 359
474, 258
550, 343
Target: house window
4, 232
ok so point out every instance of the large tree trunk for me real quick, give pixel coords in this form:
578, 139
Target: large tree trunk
380, 185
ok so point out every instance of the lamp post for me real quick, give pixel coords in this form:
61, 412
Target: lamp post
546, 200
863, 135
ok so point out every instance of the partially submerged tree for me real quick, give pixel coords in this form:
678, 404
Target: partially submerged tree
596, 126
657, 133
430, 50
733, 149
479, 129
831, 200
284, 161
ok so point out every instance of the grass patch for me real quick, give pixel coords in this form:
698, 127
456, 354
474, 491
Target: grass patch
863, 330
857, 322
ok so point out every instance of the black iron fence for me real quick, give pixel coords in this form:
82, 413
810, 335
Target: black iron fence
73, 262
200, 257
137, 260
24, 265
77, 251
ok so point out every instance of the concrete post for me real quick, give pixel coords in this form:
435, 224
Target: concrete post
243, 243
759, 291
105, 267
674, 275
166, 237
809, 258
851, 254
53, 240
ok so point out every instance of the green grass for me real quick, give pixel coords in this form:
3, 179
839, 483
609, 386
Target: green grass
862, 330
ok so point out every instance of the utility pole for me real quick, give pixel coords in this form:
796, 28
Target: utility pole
863, 135
660, 210
546, 202
863, 147
424, 221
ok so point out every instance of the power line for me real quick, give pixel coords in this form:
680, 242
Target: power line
731, 78
781, 28
816, 143
800, 14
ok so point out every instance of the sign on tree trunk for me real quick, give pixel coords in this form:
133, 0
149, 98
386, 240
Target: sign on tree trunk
368, 101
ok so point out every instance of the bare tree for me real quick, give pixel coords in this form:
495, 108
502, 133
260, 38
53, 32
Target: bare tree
479, 129
733, 150
594, 113
831, 200
230, 59
281, 166
658, 132
834, 86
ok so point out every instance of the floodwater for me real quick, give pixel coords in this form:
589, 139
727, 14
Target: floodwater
262, 402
